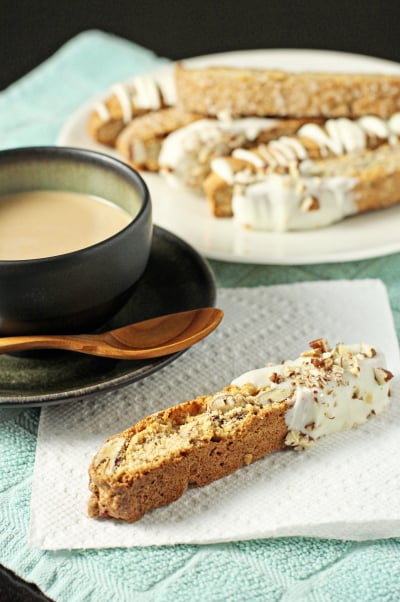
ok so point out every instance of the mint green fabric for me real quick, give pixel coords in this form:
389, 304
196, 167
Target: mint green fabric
32, 111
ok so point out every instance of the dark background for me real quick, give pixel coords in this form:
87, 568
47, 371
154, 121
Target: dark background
31, 30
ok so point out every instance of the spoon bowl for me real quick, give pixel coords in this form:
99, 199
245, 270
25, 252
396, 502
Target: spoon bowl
152, 338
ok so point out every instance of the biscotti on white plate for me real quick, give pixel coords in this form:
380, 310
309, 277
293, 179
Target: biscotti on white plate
244, 139
322, 193
268, 92
186, 153
127, 101
139, 143
311, 142
288, 405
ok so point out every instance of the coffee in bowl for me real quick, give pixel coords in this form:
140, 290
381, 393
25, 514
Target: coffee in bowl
80, 282
42, 223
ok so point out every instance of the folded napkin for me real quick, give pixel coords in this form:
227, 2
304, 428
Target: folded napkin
346, 486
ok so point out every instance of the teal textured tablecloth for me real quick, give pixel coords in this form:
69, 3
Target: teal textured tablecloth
32, 111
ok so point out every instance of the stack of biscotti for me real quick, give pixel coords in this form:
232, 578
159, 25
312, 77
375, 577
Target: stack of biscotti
139, 118
143, 117
228, 133
287, 405
287, 184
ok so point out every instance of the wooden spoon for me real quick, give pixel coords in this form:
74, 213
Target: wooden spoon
143, 340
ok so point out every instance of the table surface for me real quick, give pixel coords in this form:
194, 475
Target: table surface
32, 111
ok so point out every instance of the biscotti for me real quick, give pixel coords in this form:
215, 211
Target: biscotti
265, 92
288, 405
187, 152
139, 143
311, 141
126, 102
322, 193
226, 132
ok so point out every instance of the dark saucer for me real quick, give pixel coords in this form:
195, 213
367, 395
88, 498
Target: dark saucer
176, 279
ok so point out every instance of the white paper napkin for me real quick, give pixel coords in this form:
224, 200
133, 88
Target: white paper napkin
346, 486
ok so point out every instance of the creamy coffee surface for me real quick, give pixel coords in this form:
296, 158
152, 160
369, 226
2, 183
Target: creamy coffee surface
43, 223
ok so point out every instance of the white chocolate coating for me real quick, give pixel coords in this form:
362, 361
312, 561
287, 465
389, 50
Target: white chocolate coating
124, 98
281, 203
144, 92
330, 390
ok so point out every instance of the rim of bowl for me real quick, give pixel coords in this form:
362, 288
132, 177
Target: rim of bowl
88, 156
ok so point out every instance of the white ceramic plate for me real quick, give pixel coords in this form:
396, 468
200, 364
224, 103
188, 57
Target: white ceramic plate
186, 214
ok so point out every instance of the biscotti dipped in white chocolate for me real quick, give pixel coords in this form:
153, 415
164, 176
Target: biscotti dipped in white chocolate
187, 152
139, 143
125, 102
312, 141
288, 405
321, 193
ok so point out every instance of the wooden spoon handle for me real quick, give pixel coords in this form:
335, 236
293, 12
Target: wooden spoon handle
82, 343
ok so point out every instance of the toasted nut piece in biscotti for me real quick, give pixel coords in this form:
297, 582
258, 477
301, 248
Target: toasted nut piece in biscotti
140, 142
290, 404
126, 102
274, 93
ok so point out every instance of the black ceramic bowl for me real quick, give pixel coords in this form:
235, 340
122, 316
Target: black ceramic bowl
77, 291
